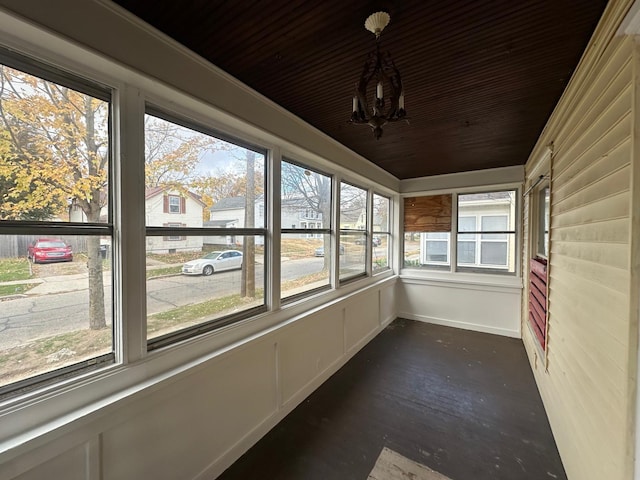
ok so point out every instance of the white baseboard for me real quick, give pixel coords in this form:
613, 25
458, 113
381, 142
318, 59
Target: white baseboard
464, 325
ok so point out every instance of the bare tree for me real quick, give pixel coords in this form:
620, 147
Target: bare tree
303, 188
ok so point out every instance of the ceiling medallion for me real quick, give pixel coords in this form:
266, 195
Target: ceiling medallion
379, 70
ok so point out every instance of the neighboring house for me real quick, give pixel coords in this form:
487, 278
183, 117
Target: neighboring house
230, 213
76, 214
296, 213
167, 207
353, 219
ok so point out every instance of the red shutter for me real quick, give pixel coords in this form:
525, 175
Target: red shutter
184, 225
183, 205
165, 205
538, 299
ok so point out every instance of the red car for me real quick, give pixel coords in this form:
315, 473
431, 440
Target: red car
49, 250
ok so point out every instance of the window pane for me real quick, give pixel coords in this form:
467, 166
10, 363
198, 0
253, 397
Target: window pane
436, 251
380, 213
55, 161
380, 252
56, 286
305, 198
353, 219
200, 180
466, 224
466, 251
55, 311
352, 254
428, 250
493, 253
543, 222
353, 207
495, 223
305, 263
205, 282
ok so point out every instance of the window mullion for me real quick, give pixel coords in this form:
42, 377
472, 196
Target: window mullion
274, 251
130, 238
454, 234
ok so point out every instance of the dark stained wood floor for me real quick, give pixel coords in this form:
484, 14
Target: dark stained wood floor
460, 402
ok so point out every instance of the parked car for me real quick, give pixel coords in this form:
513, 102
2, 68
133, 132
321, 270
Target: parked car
214, 262
320, 251
375, 241
49, 250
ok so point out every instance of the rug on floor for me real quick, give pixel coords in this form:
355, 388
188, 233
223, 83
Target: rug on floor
393, 466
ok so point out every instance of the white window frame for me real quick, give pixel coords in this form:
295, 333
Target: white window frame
173, 209
135, 367
452, 264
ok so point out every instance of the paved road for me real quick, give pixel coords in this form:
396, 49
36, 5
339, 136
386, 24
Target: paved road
62, 306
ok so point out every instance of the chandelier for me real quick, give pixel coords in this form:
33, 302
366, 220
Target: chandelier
379, 70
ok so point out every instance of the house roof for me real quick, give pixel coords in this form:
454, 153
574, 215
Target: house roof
229, 203
154, 191
219, 223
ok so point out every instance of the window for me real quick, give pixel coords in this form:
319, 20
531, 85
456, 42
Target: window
174, 204
538, 273
486, 231
485, 239
175, 237
353, 231
55, 180
542, 230
381, 234
435, 249
427, 226
204, 271
305, 251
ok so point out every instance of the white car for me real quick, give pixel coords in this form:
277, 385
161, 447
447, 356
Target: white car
214, 262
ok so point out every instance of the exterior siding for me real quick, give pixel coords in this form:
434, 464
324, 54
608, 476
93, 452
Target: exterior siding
157, 217
585, 378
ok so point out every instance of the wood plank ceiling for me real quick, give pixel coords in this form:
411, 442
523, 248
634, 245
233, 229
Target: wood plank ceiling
481, 77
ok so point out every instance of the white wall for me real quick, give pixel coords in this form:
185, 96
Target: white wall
194, 422
473, 302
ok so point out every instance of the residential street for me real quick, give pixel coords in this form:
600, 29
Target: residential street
59, 304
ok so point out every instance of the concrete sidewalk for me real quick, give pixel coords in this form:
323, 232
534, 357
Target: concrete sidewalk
65, 283
70, 283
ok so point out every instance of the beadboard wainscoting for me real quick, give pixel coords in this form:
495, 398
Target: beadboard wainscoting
195, 422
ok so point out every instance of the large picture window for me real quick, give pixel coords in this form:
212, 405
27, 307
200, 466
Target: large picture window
206, 230
57, 231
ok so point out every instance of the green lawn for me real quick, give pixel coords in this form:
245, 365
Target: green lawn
14, 269
15, 289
